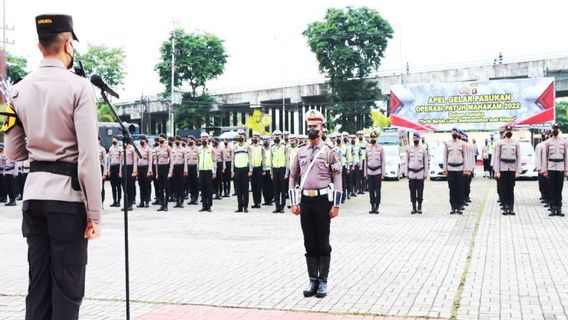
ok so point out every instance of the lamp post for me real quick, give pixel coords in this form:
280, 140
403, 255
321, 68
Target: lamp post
171, 108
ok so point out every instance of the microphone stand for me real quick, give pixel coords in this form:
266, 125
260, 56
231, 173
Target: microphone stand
125, 137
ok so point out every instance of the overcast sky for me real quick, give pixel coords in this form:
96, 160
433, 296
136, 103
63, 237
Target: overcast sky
264, 42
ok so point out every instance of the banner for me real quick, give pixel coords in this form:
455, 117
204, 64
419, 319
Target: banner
479, 105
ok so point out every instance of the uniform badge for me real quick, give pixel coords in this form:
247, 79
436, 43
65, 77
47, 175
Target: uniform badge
11, 118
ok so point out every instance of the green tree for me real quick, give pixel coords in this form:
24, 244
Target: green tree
15, 67
562, 115
349, 45
198, 59
104, 61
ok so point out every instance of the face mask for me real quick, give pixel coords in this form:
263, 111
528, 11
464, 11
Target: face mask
373, 141
162, 141
254, 140
156, 144
204, 142
416, 142
345, 140
454, 136
115, 143
324, 138
338, 141
360, 139
266, 144
293, 144
276, 140
492, 138
191, 143
508, 134
142, 143
226, 143
555, 132
313, 134
177, 143
183, 145
240, 139
70, 65
353, 142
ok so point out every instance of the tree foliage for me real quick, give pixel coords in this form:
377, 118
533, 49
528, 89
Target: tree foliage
349, 45
192, 112
15, 67
562, 115
104, 61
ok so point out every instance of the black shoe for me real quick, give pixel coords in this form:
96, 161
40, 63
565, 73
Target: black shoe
226, 195
377, 208
281, 210
147, 204
419, 208
453, 211
256, 206
140, 205
277, 210
161, 209
19, 198
218, 197
245, 210
239, 210
114, 204
177, 205
313, 271
311, 289
10, 204
322, 290
413, 208
208, 210
155, 203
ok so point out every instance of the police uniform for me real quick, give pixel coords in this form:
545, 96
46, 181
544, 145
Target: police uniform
375, 173
178, 172
207, 170
312, 190
279, 174
455, 165
362, 149
144, 165
3, 193
131, 159
227, 164
192, 179
345, 156
163, 162
218, 181
23, 170
115, 159
555, 167
103, 163
417, 172
58, 118
538, 165
242, 169
10, 180
257, 169
268, 190
508, 165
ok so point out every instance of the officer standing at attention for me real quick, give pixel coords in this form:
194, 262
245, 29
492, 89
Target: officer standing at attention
207, 170
227, 164
416, 171
163, 160
256, 179
3, 191
268, 190
192, 180
538, 161
362, 145
242, 171
555, 167
375, 171
144, 172
507, 155
220, 164
104, 168
131, 159
178, 172
279, 174
315, 194
455, 167
115, 159
62, 198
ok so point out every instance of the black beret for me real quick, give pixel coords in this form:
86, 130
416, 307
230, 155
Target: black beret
54, 23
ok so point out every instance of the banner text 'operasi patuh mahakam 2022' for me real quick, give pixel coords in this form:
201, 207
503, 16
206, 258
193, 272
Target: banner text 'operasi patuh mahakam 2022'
482, 105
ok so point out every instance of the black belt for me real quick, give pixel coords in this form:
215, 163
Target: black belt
373, 168
60, 168
508, 160
556, 160
455, 164
416, 170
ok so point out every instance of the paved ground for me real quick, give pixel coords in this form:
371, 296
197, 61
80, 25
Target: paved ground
223, 265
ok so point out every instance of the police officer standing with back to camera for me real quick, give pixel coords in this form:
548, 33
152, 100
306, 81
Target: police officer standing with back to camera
555, 168
455, 167
62, 198
416, 171
375, 172
315, 193
507, 168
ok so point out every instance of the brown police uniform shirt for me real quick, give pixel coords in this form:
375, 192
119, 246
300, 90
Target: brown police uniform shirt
376, 161
555, 156
326, 169
59, 117
416, 162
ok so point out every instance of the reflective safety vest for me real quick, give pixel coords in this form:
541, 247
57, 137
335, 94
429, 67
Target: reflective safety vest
278, 156
241, 156
267, 159
205, 159
256, 155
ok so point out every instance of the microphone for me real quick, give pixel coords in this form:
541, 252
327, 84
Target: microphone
99, 83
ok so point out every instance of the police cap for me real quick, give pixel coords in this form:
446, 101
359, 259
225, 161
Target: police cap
54, 23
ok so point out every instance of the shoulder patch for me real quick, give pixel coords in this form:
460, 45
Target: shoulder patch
11, 119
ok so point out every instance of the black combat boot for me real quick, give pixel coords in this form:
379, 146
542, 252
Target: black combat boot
419, 209
559, 211
511, 211
373, 209
323, 266
413, 207
377, 208
552, 210
312, 288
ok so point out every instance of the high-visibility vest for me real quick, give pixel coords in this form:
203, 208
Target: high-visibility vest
256, 155
205, 159
241, 156
267, 159
278, 156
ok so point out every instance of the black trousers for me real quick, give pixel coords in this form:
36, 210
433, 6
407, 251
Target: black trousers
218, 181
177, 182
491, 172
242, 186
256, 185
487, 165
467, 187
163, 184
556, 180
193, 182
543, 186
103, 184
455, 183
362, 179
375, 184
155, 181
21, 183
344, 183
268, 190
3, 193
227, 178
57, 258
115, 183
206, 186
507, 185
280, 187
130, 184
314, 217
416, 187
144, 183
11, 187
356, 177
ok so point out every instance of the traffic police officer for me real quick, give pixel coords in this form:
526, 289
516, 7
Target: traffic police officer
555, 167
268, 190
315, 194
507, 168
220, 164
375, 173
279, 174
10, 173
256, 179
456, 165
416, 171
228, 160
62, 198
538, 162
242, 171
207, 170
